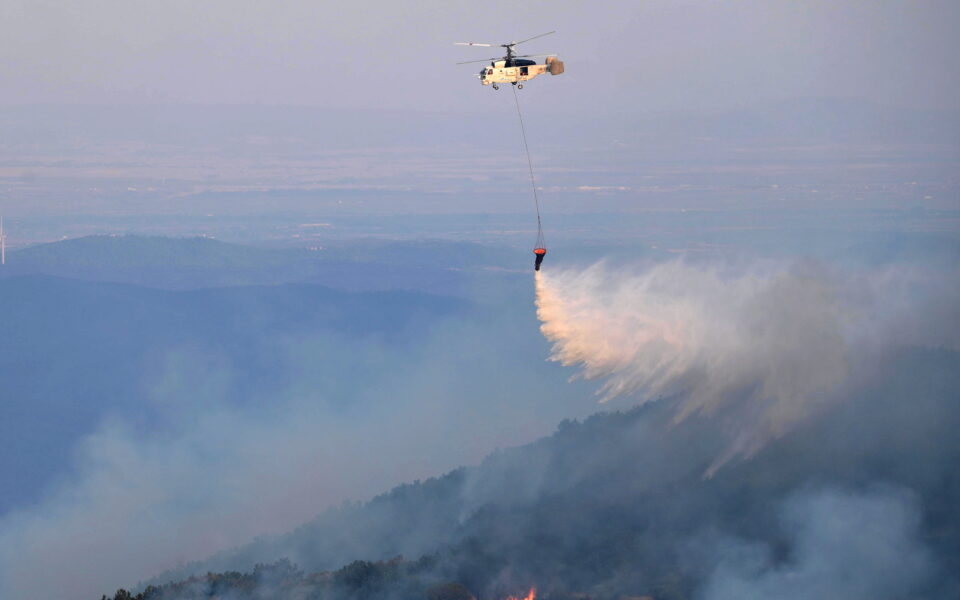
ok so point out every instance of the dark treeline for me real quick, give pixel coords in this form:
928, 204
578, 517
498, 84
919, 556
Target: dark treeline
395, 578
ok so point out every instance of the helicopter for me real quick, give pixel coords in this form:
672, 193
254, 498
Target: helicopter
513, 68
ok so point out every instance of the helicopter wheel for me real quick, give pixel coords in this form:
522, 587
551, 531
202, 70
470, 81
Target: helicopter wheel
496, 87
519, 86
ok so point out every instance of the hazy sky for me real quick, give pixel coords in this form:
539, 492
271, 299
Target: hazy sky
620, 55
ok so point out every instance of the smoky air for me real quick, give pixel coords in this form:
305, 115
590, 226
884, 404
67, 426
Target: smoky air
269, 326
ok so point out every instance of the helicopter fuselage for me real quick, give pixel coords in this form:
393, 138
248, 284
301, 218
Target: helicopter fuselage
517, 70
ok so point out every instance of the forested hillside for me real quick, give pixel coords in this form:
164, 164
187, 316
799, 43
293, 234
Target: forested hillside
863, 500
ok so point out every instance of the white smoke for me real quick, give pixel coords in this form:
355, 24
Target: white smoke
846, 544
760, 349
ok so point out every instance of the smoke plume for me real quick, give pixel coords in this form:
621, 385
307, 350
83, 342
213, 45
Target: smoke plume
140, 502
761, 349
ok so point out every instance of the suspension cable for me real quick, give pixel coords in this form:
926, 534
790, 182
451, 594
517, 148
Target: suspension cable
541, 243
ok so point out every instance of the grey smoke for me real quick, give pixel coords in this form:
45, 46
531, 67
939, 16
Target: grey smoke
218, 475
845, 544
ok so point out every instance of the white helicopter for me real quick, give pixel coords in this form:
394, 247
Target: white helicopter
513, 68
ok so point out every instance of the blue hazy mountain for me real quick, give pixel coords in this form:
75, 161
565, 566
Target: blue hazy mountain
88, 324
617, 506
194, 262
76, 351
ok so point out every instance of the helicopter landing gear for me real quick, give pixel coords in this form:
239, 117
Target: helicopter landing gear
519, 86
496, 86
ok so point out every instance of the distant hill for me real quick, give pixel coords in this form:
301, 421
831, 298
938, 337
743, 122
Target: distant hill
134, 251
74, 351
617, 506
200, 262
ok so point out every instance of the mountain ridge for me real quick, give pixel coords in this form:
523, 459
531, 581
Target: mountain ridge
199, 261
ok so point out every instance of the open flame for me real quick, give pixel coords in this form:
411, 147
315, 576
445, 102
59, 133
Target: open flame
531, 595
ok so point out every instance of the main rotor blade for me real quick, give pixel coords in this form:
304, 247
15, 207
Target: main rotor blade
474, 44
467, 62
533, 38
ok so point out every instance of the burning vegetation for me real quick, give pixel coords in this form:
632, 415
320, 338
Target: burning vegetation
531, 595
